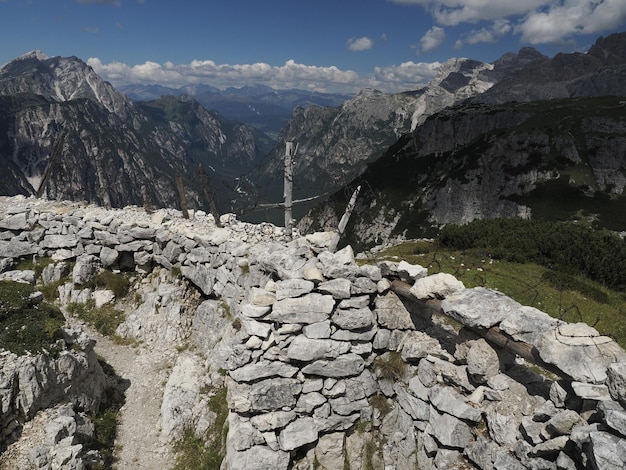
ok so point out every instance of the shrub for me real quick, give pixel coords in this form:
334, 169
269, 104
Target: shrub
390, 366
118, 283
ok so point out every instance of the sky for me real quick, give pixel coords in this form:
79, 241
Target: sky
321, 45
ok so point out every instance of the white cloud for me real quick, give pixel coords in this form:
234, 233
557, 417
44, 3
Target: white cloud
433, 38
490, 34
359, 44
406, 76
570, 17
537, 21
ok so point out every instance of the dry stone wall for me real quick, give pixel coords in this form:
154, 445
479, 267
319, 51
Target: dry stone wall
326, 366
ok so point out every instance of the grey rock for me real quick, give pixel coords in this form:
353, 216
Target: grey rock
528, 324
616, 381
344, 406
85, 269
606, 451
579, 351
353, 319
263, 370
272, 420
417, 345
311, 308
479, 307
256, 328
563, 422
290, 288
448, 430
482, 362
261, 297
16, 222
298, 433
319, 330
346, 365
363, 285
254, 311
482, 452
329, 451
267, 395
360, 301
338, 288
108, 256
16, 249
591, 391
447, 400
436, 286
307, 350
26, 276
417, 408
242, 435
392, 314
502, 428
410, 272
201, 275
259, 458
59, 241
613, 415
307, 402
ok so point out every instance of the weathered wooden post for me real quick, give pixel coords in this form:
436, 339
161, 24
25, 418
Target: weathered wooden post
181, 195
344, 220
288, 188
207, 193
56, 151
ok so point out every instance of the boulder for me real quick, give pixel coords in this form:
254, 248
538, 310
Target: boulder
306, 349
616, 380
479, 307
482, 361
436, 286
346, 365
311, 308
85, 269
298, 433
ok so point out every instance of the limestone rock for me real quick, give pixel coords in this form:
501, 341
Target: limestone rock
479, 307
298, 433
392, 314
482, 362
307, 350
311, 308
436, 286
262, 370
346, 365
616, 381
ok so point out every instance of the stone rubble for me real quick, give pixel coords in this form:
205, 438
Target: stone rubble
325, 365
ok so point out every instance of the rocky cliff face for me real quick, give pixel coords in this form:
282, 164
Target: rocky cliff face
109, 150
319, 362
554, 160
336, 144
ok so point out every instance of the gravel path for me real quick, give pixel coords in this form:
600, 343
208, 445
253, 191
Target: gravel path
138, 442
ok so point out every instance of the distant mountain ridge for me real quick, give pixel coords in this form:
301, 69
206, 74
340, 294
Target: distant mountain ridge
260, 106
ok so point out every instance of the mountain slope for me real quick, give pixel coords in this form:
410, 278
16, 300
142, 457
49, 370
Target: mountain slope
335, 145
110, 151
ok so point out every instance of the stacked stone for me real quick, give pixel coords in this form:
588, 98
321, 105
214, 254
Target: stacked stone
304, 336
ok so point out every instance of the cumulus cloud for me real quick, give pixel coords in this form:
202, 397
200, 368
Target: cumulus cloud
489, 34
433, 38
537, 21
291, 74
359, 44
406, 76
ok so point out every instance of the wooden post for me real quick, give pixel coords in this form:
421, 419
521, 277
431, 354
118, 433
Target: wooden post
56, 151
344, 220
289, 153
207, 193
181, 195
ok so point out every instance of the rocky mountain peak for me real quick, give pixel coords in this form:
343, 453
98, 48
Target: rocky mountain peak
611, 49
60, 79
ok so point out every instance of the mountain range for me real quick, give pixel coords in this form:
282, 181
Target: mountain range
526, 135
261, 107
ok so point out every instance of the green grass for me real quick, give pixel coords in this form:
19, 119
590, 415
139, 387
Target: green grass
118, 283
25, 325
576, 299
207, 452
105, 319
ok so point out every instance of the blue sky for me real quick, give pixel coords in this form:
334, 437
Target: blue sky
325, 45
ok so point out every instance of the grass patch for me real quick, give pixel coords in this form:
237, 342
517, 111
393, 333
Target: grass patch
390, 366
105, 319
117, 283
24, 324
381, 403
37, 265
207, 452
570, 297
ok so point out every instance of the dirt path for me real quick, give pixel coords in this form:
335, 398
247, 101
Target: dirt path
138, 443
